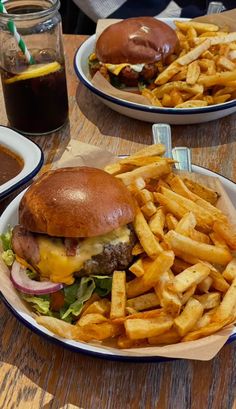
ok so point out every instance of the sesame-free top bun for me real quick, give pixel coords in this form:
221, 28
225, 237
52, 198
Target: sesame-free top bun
136, 40
76, 202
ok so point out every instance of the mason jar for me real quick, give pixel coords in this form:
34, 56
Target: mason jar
35, 90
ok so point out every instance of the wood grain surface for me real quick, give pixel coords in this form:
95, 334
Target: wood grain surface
36, 374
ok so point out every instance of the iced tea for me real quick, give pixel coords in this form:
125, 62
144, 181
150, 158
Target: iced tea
36, 95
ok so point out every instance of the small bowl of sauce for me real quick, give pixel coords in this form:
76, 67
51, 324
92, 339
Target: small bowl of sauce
11, 164
20, 160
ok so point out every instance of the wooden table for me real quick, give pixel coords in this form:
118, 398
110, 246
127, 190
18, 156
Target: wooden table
35, 374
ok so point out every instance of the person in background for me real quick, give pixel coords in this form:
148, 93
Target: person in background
96, 9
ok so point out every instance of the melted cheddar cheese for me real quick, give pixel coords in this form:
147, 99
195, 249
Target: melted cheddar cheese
56, 266
116, 68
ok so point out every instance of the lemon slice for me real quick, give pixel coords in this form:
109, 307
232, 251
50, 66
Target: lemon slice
35, 71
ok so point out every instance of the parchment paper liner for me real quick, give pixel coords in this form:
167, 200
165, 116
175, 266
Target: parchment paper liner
78, 153
226, 21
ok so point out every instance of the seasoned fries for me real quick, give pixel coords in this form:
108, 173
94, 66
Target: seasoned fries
181, 285
205, 65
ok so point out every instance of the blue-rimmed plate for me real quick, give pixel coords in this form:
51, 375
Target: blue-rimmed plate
30, 153
10, 217
147, 113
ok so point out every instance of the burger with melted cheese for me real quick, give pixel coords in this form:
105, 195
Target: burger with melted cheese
75, 222
128, 52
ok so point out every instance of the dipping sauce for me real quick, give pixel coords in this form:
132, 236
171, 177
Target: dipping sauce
10, 164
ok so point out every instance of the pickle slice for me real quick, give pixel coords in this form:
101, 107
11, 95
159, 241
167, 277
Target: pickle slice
35, 71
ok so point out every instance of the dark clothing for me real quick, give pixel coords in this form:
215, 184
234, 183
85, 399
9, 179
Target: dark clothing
190, 9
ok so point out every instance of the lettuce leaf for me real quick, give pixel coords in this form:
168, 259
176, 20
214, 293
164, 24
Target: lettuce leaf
84, 291
8, 257
39, 303
103, 285
6, 239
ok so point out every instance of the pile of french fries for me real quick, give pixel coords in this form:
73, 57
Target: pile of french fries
182, 283
204, 71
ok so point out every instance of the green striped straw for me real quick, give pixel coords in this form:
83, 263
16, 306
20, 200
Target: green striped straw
12, 28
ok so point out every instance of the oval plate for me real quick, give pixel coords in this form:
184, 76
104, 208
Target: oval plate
9, 217
147, 113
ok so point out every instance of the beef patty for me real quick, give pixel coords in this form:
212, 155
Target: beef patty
113, 257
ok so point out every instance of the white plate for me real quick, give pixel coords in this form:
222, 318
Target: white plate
31, 154
145, 112
10, 217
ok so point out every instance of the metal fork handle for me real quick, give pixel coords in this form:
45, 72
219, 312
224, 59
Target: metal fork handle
183, 157
215, 7
161, 133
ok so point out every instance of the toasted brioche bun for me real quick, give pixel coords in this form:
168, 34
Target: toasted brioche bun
76, 202
136, 40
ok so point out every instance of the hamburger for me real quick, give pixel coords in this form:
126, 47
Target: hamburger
128, 52
73, 223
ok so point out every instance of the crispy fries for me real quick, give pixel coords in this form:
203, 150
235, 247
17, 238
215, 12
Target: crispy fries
181, 283
207, 57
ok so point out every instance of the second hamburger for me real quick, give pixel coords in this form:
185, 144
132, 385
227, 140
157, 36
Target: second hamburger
127, 52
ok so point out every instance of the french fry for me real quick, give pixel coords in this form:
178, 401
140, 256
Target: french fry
62, 328
148, 210
168, 73
190, 315
191, 276
199, 236
143, 284
219, 282
218, 241
225, 63
205, 319
157, 149
177, 210
201, 250
220, 78
152, 98
157, 222
193, 103
101, 307
204, 217
228, 38
145, 328
118, 294
186, 224
180, 86
144, 302
230, 271
200, 190
193, 73
137, 268
141, 160
210, 300
194, 53
144, 196
137, 249
205, 284
179, 265
169, 337
169, 300
137, 185
146, 237
227, 306
225, 230
210, 329
154, 170
188, 294
171, 221
124, 342
199, 27
91, 319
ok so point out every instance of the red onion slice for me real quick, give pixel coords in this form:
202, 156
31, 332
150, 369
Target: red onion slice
24, 284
